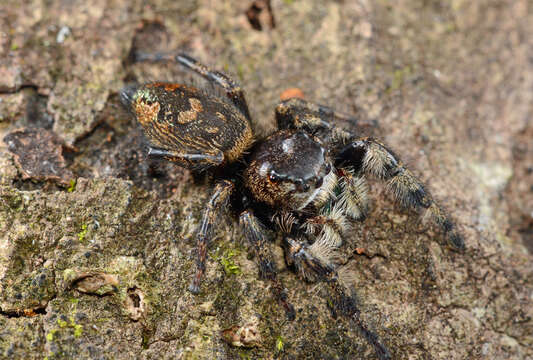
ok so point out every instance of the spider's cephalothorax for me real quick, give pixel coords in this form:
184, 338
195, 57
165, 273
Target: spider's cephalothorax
288, 169
307, 178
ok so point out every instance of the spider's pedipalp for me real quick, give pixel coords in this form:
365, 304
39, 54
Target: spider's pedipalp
308, 266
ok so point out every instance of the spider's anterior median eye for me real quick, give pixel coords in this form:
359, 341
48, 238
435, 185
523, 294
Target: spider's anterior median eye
274, 177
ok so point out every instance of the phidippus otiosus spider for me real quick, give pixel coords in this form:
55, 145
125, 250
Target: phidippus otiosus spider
307, 179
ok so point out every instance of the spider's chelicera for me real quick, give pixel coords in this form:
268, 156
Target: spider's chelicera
307, 179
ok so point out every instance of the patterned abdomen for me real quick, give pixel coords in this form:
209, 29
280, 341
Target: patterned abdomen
186, 122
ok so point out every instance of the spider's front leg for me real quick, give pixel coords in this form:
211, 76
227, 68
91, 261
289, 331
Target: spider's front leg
313, 263
255, 234
368, 155
309, 261
219, 199
346, 305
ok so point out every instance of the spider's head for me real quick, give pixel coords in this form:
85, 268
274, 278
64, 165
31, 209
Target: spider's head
288, 169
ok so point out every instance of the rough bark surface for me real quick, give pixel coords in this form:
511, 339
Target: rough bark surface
98, 267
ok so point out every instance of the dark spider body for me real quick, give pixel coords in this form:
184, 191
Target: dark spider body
307, 179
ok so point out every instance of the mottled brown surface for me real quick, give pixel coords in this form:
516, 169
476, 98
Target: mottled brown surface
451, 87
38, 154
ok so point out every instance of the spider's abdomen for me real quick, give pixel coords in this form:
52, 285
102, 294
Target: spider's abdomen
184, 120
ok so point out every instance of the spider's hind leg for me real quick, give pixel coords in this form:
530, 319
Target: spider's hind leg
233, 91
190, 161
368, 155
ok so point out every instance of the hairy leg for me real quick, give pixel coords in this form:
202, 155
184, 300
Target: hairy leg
328, 230
255, 234
219, 199
354, 194
346, 201
368, 155
314, 264
341, 303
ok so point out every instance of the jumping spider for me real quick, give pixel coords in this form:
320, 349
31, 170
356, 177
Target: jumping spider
307, 179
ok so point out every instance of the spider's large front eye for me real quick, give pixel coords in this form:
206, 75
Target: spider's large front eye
274, 177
